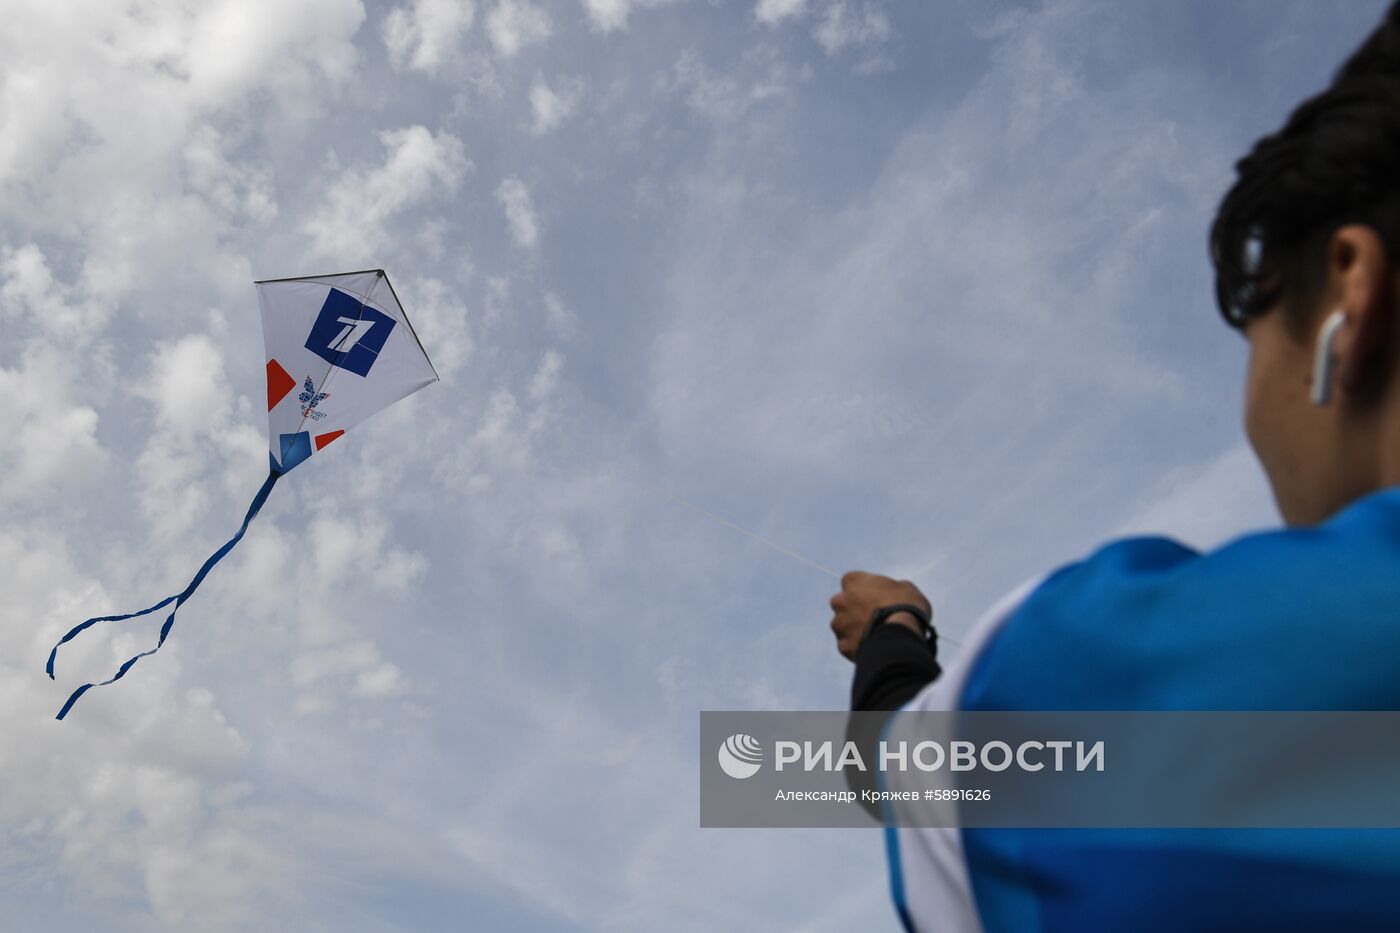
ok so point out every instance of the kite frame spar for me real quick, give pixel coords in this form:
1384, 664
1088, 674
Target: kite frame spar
276, 471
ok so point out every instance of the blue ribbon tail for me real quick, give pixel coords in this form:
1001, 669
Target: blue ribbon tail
178, 599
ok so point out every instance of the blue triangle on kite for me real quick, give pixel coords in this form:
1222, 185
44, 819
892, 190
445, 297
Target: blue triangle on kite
295, 449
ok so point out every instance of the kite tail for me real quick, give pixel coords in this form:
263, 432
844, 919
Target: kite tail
178, 599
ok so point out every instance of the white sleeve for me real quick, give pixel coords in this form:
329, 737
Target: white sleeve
928, 871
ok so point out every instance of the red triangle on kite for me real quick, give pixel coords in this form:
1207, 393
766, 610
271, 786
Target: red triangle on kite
323, 439
279, 383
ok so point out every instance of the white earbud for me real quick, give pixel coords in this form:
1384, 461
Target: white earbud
1324, 358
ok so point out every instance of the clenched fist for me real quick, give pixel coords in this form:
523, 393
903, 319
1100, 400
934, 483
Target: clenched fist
861, 594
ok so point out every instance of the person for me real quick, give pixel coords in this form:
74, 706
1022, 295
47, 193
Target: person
1306, 252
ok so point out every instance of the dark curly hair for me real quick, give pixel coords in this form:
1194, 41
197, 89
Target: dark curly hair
1336, 161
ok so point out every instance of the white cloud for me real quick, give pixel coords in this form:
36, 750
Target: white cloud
238, 46
199, 433
842, 27
611, 15
356, 666
49, 425
341, 548
513, 24
422, 36
417, 164
775, 11
551, 107
519, 208
241, 189
439, 314
546, 378
186, 384
726, 96
30, 294
129, 150
54, 387
1005, 22
164, 66
562, 321
608, 15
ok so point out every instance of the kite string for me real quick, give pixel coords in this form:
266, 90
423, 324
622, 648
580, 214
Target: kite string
757, 537
780, 549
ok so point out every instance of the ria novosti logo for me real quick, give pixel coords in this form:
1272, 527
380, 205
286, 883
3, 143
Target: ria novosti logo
740, 756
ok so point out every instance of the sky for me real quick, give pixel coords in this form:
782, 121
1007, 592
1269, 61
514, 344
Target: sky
914, 288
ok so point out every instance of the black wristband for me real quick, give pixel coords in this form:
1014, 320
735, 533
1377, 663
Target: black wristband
880, 615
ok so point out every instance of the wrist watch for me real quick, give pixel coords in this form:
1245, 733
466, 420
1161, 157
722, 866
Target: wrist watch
880, 615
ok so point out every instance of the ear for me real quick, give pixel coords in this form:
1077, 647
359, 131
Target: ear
1357, 263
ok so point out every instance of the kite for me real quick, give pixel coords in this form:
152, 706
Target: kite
345, 341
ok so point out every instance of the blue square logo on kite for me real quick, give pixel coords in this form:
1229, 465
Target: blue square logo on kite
349, 333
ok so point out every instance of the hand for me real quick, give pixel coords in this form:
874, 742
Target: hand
861, 594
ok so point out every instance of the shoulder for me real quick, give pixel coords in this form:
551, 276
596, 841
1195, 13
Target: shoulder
1286, 618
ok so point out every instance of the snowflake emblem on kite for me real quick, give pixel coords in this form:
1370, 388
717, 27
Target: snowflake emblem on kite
309, 399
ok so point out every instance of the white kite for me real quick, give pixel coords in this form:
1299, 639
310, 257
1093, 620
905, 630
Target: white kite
339, 349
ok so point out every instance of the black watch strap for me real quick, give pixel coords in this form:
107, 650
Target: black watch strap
880, 615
